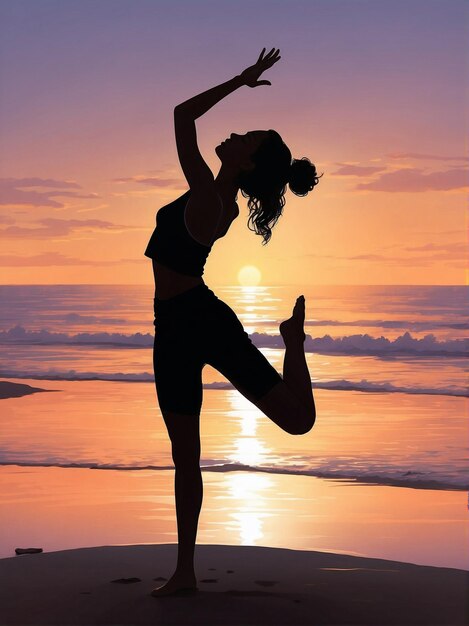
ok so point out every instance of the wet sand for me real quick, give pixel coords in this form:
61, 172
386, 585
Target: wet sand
237, 585
58, 508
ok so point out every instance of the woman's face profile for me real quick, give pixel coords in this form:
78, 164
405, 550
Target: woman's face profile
237, 149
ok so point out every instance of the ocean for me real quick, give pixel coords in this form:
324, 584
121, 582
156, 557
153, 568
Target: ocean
388, 366
406, 345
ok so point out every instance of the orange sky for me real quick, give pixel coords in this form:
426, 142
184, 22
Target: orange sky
377, 105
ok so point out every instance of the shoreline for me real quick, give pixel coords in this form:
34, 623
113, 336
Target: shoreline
73, 509
372, 481
336, 385
237, 585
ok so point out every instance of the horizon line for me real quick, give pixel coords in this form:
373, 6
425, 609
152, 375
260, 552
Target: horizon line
240, 286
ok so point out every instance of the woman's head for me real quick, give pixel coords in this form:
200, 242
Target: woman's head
265, 167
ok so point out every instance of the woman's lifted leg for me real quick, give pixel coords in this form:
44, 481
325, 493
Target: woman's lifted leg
290, 404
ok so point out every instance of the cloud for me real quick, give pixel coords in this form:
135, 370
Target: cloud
415, 180
12, 191
438, 233
424, 157
457, 248
357, 170
53, 227
366, 257
430, 253
6, 219
41, 182
46, 259
136, 260
56, 258
453, 253
98, 207
153, 181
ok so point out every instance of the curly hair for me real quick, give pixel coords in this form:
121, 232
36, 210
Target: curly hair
265, 185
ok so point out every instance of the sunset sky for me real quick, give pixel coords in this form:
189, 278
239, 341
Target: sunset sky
374, 92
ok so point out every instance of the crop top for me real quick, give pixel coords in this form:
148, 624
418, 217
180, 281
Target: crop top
171, 243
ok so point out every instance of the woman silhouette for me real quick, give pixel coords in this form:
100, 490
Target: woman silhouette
192, 326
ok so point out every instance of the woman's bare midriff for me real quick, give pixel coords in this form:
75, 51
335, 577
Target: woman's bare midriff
169, 283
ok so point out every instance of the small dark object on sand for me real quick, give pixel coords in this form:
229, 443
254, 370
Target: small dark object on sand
160, 578
230, 571
28, 550
127, 581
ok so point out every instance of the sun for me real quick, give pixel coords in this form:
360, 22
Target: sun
249, 276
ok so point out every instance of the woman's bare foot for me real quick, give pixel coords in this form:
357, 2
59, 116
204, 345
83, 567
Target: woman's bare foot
179, 583
292, 328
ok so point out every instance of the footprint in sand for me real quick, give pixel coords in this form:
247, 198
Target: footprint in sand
230, 571
209, 580
212, 569
127, 581
160, 578
266, 583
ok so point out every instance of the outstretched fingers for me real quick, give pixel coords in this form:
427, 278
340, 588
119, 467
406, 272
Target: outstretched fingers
271, 56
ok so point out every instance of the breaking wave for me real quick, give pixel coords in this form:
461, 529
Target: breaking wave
146, 377
359, 344
382, 476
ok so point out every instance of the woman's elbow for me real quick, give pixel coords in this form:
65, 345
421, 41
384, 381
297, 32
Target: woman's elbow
181, 109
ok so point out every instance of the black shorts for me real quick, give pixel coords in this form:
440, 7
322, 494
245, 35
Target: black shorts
195, 328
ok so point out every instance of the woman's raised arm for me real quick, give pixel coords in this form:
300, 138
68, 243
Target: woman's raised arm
196, 171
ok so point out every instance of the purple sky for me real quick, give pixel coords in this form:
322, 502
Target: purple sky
88, 88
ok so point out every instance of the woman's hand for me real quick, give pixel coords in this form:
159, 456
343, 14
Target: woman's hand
251, 75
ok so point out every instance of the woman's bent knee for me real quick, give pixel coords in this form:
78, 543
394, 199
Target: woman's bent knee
283, 408
305, 423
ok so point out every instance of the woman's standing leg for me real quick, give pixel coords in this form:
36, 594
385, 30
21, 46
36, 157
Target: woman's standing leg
178, 364
184, 433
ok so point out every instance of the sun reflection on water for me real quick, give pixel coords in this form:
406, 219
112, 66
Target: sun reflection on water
249, 489
247, 447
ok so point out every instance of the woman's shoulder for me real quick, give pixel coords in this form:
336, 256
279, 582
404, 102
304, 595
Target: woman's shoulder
182, 200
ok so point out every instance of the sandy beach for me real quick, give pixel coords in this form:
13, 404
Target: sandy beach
237, 585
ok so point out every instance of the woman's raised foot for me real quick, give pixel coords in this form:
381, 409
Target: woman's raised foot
292, 328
